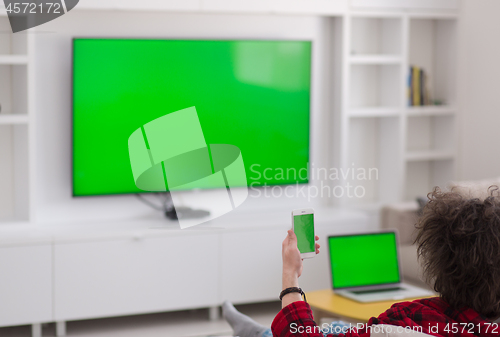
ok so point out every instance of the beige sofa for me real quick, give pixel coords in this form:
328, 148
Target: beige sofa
403, 216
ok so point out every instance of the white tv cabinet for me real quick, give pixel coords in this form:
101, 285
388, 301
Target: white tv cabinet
91, 270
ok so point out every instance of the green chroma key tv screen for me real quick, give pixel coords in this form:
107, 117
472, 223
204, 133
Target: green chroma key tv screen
252, 94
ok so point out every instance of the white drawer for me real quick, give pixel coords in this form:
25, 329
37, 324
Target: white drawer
251, 265
25, 285
113, 278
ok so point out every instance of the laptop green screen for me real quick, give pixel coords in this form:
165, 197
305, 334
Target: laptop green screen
363, 260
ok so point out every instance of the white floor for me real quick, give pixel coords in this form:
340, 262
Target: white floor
174, 324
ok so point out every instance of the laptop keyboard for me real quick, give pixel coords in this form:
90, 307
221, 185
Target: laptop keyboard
373, 291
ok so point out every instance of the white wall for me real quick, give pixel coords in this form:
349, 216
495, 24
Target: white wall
53, 98
480, 90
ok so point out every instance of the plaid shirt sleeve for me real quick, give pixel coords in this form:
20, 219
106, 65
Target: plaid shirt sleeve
296, 319
433, 316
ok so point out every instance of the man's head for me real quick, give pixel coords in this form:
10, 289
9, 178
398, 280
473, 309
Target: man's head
459, 242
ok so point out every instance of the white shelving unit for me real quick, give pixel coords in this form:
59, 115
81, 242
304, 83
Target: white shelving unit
431, 131
15, 125
380, 40
413, 147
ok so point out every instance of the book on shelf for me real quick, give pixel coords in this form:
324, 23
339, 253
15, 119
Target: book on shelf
418, 87
410, 87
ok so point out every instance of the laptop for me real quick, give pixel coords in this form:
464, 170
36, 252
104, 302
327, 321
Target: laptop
365, 268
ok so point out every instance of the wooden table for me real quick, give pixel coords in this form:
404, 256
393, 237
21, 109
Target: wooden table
326, 304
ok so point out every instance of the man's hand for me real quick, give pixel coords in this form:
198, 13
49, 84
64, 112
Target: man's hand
292, 266
292, 263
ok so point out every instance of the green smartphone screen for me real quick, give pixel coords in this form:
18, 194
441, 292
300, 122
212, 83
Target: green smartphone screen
303, 226
364, 260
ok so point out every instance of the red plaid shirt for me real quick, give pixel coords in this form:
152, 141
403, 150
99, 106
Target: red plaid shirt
434, 315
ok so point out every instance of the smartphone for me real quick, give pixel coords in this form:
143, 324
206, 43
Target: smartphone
303, 227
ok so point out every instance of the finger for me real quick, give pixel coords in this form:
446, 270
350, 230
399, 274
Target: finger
290, 240
318, 246
317, 251
287, 238
316, 238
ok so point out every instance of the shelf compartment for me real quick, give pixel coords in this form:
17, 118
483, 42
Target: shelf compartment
376, 36
12, 44
14, 173
374, 143
375, 86
13, 90
433, 48
431, 136
376, 59
423, 176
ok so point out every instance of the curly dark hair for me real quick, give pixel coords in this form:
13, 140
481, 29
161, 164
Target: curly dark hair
459, 243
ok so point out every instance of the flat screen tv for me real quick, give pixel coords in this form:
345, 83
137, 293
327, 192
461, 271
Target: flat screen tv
254, 94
